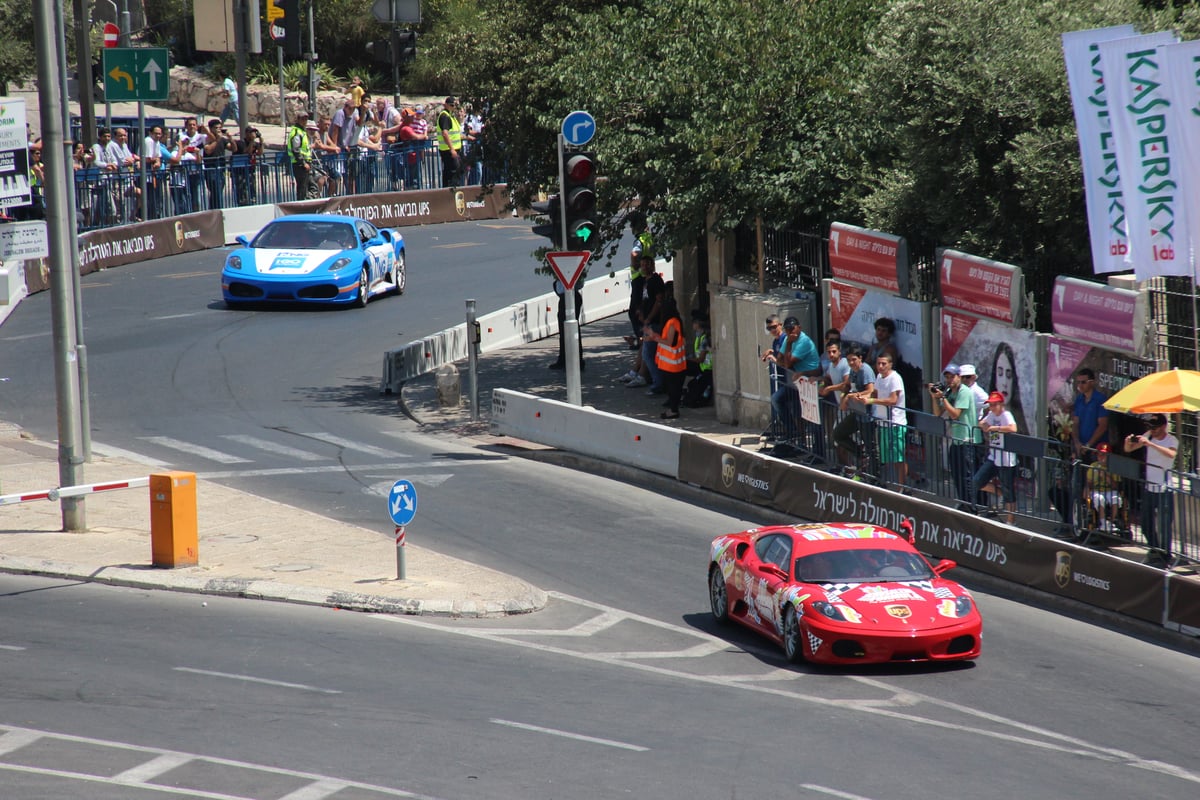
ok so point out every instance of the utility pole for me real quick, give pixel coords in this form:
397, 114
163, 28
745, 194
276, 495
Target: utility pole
60, 232
83, 70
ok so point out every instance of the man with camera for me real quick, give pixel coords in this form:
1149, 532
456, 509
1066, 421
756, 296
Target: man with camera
216, 146
955, 403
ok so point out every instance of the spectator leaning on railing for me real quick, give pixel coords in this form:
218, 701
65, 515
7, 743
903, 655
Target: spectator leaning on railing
1158, 506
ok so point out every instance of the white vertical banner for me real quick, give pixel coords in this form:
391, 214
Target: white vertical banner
1181, 64
1101, 181
1146, 136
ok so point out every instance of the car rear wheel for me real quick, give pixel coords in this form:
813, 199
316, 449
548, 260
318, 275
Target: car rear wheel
717, 596
364, 289
399, 276
793, 636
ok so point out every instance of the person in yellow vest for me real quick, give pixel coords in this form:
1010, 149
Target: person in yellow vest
699, 364
300, 153
669, 357
450, 139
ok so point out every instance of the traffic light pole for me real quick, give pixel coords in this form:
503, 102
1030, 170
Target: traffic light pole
570, 330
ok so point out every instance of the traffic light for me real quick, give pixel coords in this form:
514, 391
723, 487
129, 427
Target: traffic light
404, 46
552, 229
284, 17
380, 50
579, 189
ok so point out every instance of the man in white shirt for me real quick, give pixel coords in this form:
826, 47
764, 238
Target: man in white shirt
888, 406
1158, 504
971, 380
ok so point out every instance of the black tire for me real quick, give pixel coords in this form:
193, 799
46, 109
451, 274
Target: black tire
399, 273
793, 636
364, 288
718, 598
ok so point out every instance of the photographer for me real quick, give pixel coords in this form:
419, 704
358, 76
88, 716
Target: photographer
215, 148
245, 169
953, 402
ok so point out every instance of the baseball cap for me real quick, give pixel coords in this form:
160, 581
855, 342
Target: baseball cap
952, 369
419, 110
995, 397
967, 370
311, 126
1156, 420
791, 322
451, 101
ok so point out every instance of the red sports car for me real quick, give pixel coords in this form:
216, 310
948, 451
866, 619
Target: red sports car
842, 593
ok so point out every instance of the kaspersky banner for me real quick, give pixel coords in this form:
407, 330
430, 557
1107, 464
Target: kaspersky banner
1147, 136
1181, 64
1101, 180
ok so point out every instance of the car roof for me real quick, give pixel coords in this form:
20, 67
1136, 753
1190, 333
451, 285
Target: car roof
317, 218
838, 535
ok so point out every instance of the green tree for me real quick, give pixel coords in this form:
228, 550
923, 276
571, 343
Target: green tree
17, 65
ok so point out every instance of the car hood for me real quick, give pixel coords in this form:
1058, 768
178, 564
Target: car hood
288, 262
895, 606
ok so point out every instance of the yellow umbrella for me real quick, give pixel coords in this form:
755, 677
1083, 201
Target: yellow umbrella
1160, 392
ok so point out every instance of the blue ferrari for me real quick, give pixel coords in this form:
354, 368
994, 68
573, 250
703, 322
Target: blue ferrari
315, 258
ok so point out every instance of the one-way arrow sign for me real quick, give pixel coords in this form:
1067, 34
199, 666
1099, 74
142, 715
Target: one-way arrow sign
568, 266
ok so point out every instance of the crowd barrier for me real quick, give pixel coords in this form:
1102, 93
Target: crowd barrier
1049, 488
1061, 568
105, 198
529, 321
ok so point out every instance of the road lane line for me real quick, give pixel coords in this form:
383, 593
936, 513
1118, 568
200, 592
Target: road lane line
252, 679
194, 449
317, 790
568, 735
350, 444
16, 739
152, 768
273, 447
11, 647
812, 787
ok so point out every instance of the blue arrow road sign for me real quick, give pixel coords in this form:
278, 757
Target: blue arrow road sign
402, 502
578, 128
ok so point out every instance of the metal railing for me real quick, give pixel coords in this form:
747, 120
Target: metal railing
1102, 504
106, 198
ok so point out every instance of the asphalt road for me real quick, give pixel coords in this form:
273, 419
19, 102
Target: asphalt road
622, 687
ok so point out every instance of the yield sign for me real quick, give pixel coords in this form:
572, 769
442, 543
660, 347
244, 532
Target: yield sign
568, 266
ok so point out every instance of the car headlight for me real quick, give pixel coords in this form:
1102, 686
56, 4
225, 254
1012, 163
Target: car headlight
341, 262
962, 606
829, 610
234, 262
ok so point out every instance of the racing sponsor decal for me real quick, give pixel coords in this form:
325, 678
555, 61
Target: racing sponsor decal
814, 643
291, 262
947, 608
728, 470
1062, 568
850, 614
898, 611
885, 594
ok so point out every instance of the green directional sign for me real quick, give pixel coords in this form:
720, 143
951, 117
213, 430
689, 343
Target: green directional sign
136, 73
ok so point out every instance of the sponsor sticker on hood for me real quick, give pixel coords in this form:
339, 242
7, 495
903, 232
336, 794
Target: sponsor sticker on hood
291, 262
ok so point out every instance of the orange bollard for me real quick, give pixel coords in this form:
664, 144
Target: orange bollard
173, 537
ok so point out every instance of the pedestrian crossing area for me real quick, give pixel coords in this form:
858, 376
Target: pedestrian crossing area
273, 447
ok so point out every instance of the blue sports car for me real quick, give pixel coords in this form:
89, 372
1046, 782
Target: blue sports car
315, 258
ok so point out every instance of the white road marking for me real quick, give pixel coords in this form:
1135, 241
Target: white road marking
318, 782
317, 791
152, 768
812, 787
110, 451
350, 444
252, 679
317, 470
178, 316
273, 447
25, 336
1051, 741
568, 735
16, 739
194, 449
11, 647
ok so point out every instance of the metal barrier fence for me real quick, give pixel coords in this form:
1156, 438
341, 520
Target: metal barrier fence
1103, 504
105, 198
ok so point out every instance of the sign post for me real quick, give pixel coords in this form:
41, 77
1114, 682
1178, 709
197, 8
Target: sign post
402, 507
568, 267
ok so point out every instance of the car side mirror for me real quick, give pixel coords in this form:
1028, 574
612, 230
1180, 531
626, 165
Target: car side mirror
242, 240
945, 565
773, 569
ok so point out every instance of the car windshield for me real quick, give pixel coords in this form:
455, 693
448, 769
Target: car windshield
856, 566
311, 235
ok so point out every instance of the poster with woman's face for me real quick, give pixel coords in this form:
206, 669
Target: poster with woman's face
1004, 359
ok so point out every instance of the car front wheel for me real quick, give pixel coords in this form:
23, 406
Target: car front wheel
399, 276
364, 289
793, 642
717, 596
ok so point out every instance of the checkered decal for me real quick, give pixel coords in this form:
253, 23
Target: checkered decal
836, 590
814, 643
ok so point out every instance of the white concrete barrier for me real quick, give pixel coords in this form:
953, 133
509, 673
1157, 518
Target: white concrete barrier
246, 220
528, 321
585, 430
12, 287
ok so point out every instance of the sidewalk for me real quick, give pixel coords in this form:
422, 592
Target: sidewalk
254, 547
